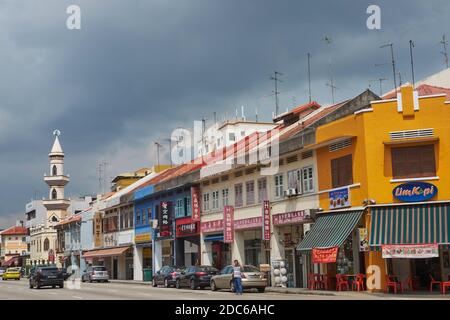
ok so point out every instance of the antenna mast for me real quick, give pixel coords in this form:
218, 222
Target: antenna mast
330, 70
276, 79
393, 62
411, 46
309, 76
444, 43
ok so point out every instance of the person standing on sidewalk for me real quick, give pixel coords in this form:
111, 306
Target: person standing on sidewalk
237, 277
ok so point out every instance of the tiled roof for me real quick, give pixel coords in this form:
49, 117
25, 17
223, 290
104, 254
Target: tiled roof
423, 90
72, 218
14, 230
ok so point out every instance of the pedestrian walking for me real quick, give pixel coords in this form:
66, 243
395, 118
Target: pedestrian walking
237, 277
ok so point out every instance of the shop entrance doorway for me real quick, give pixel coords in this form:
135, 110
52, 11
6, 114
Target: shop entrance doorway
221, 255
253, 252
422, 268
115, 266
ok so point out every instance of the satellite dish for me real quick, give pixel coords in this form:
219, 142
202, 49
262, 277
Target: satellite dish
56, 133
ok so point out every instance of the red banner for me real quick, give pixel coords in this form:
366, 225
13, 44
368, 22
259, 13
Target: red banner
228, 224
266, 220
185, 227
248, 223
195, 203
211, 226
327, 255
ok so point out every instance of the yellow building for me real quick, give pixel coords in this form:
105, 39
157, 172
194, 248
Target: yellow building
125, 179
13, 245
383, 181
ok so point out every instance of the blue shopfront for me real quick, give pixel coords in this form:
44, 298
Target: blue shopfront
156, 213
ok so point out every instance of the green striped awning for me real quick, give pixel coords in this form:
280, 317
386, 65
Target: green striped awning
330, 230
410, 224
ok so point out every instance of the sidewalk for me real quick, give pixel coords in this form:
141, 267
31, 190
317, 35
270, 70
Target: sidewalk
342, 294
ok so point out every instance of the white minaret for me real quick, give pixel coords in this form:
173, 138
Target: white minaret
56, 204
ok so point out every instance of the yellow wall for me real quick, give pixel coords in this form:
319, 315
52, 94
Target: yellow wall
371, 158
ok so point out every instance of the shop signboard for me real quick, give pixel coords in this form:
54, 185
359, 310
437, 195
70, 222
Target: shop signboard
415, 191
325, 255
165, 222
248, 223
266, 220
363, 240
195, 196
290, 217
211, 226
98, 237
143, 234
228, 224
185, 227
339, 198
410, 251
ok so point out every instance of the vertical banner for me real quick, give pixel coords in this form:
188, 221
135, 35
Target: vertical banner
98, 236
363, 240
228, 224
266, 220
195, 203
165, 220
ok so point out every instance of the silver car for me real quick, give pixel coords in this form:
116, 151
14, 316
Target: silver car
251, 278
95, 273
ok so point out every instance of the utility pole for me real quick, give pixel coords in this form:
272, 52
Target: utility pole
411, 46
309, 76
393, 62
276, 79
444, 43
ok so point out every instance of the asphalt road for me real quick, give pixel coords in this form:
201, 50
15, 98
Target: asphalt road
19, 290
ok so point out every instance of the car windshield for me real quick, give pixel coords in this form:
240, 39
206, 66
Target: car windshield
49, 270
99, 268
207, 269
250, 269
13, 270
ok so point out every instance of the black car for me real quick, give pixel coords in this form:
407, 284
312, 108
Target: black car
46, 277
66, 274
167, 276
196, 277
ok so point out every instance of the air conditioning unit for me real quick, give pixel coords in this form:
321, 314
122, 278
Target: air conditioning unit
290, 192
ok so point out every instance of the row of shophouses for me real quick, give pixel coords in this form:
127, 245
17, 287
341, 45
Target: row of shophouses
361, 186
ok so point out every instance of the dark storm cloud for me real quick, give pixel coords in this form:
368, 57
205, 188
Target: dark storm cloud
139, 69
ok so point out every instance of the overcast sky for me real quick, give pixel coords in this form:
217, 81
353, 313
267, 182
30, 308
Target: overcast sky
138, 69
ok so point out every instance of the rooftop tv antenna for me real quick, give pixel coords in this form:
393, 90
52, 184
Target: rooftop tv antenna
276, 80
444, 43
158, 146
309, 76
330, 84
391, 45
380, 80
411, 46
102, 175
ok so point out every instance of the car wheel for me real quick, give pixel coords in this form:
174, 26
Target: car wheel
166, 283
178, 284
53, 287
232, 286
61, 286
192, 284
213, 286
261, 290
154, 285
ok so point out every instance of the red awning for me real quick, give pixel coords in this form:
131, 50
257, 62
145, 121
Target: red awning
10, 262
105, 252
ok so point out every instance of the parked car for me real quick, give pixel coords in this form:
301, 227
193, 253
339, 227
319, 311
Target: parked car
46, 277
251, 278
95, 273
196, 277
2, 271
167, 276
11, 274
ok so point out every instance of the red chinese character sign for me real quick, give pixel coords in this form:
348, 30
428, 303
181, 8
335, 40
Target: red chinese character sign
266, 220
228, 224
165, 220
327, 255
195, 196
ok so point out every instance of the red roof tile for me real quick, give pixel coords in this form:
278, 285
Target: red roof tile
423, 90
14, 230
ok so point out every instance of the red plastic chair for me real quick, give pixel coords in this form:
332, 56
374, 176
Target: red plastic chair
341, 282
444, 286
433, 282
319, 283
358, 283
391, 282
311, 282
